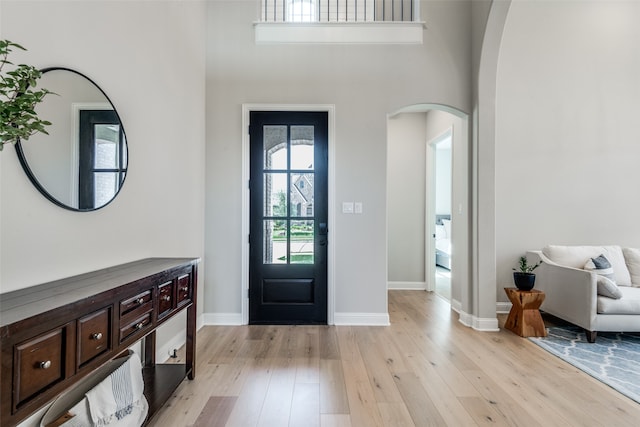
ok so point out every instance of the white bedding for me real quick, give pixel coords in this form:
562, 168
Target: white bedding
443, 242
444, 245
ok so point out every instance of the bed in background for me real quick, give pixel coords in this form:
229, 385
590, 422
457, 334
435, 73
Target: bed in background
443, 241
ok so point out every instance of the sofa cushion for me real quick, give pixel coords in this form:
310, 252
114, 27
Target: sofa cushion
608, 288
577, 257
628, 304
632, 257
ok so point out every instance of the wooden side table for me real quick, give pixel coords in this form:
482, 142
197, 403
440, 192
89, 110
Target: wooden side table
524, 318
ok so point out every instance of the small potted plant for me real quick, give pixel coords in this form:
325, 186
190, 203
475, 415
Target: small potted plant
18, 98
523, 276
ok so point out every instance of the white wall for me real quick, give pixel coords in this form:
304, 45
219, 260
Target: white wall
406, 192
365, 83
567, 128
149, 59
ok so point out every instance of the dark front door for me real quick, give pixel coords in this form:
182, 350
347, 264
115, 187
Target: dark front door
288, 224
102, 158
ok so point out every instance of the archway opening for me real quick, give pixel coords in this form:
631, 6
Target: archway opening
423, 209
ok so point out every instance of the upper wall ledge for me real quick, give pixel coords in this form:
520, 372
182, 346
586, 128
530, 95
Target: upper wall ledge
339, 32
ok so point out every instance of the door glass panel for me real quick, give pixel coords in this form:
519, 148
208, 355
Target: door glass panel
275, 194
302, 147
275, 241
124, 150
275, 147
301, 194
302, 242
105, 186
106, 146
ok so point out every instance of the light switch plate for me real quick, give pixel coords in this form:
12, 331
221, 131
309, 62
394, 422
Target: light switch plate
358, 207
347, 207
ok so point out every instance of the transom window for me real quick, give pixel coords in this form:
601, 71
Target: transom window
318, 21
302, 11
339, 10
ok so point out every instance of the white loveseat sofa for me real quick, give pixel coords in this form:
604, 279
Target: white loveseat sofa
582, 296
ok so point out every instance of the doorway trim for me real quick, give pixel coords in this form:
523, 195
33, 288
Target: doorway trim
430, 210
330, 110
465, 257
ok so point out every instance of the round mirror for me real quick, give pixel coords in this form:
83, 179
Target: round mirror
81, 165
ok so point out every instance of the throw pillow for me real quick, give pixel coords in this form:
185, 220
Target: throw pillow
632, 258
607, 288
601, 266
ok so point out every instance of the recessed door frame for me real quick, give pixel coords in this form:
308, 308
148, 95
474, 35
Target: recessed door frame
332, 240
76, 108
430, 208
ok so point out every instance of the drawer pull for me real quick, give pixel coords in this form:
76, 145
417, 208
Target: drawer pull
184, 288
166, 298
139, 325
140, 301
45, 365
97, 336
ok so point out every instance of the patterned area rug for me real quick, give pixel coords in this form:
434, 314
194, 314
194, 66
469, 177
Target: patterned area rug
613, 359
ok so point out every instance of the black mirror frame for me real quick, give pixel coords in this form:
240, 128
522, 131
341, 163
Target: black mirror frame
25, 165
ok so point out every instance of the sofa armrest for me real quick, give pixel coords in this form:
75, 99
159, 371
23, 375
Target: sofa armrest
570, 293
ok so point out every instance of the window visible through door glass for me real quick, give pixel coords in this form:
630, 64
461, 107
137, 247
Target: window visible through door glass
301, 194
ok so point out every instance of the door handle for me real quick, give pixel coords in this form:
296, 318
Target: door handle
322, 231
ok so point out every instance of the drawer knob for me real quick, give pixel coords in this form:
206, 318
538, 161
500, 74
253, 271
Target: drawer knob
97, 336
139, 325
45, 365
166, 298
184, 288
140, 301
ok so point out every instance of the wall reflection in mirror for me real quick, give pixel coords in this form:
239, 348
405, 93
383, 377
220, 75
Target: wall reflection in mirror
81, 165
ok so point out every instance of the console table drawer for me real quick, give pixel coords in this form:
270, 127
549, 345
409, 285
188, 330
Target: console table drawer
130, 304
129, 329
184, 288
39, 364
165, 299
94, 334
54, 335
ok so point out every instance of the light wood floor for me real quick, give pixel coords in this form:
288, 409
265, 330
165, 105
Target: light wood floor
426, 369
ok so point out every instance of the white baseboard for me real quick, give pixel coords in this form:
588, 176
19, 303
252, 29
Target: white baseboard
456, 306
503, 307
479, 323
200, 322
465, 318
361, 319
407, 286
177, 341
485, 324
222, 319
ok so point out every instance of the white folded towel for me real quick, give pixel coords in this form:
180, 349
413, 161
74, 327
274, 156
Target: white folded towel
118, 400
113, 398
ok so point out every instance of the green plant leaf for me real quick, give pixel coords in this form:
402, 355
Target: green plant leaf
18, 98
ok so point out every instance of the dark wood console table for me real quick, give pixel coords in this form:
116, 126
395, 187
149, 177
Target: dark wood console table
54, 334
